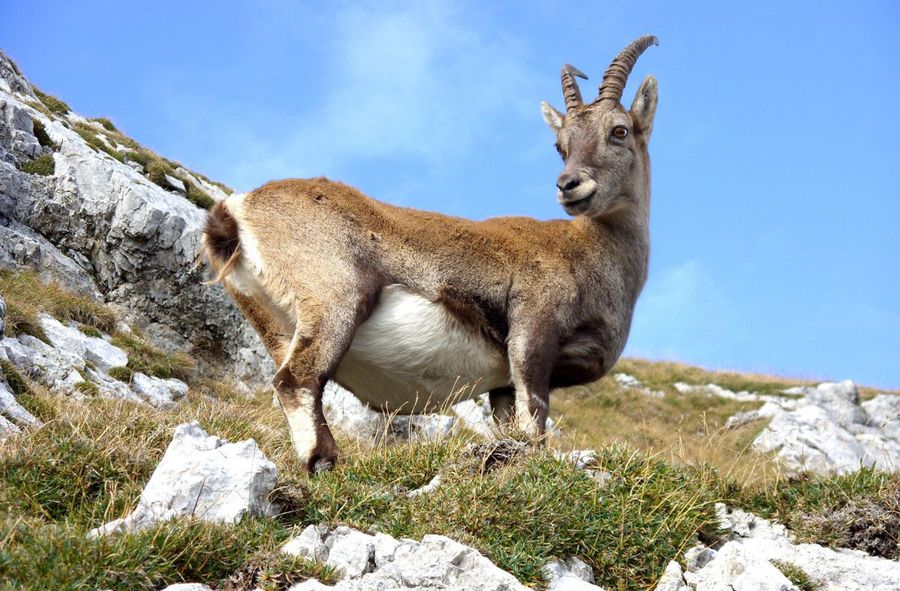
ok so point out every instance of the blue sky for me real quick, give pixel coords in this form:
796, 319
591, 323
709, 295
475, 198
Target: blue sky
776, 148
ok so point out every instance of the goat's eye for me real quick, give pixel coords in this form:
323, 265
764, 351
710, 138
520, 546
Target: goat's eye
620, 132
559, 150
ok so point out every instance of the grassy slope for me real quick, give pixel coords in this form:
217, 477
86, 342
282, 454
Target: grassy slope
668, 458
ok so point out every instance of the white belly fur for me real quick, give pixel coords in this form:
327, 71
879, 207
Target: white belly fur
412, 355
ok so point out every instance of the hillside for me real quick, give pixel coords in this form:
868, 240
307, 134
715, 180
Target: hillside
659, 476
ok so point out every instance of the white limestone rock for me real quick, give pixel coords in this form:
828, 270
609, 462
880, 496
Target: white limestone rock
828, 431
57, 369
157, 391
672, 579
187, 587
380, 562
736, 568
629, 382
570, 574
94, 349
202, 477
2, 316
112, 388
745, 560
15, 412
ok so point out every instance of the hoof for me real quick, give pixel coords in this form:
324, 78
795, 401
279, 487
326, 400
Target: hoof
318, 464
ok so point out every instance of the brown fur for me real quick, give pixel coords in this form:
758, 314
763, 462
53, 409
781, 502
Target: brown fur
555, 296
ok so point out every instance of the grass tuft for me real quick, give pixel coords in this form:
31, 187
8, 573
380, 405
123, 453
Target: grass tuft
89, 134
796, 575
40, 132
26, 296
198, 196
14, 379
106, 123
54, 104
275, 571
88, 388
145, 358
91, 331
42, 165
123, 374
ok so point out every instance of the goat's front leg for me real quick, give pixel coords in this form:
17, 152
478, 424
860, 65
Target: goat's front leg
533, 351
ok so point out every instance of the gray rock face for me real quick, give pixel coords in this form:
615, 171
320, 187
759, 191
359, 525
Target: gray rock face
827, 430
202, 477
99, 226
744, 563
2, 316
379, 562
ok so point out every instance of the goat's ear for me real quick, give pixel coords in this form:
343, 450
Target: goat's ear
644, 106
553, 117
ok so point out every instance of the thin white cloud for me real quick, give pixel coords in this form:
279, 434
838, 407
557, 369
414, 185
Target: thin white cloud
421, 81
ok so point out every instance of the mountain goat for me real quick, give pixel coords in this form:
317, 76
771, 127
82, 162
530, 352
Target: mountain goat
402, 306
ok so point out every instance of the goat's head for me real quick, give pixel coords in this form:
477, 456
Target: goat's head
604, 147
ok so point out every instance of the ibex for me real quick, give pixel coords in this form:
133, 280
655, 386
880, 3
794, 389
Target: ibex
402, 306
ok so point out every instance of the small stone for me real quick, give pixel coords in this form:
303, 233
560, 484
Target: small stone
175, 183
157, 391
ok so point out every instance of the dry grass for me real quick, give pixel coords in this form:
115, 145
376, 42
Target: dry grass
26, 296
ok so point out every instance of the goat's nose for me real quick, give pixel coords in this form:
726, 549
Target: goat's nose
568, 181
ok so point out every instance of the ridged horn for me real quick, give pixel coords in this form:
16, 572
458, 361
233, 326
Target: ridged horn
616, 75
570, 86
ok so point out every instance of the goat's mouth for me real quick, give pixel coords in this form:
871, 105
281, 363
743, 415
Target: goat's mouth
577, 205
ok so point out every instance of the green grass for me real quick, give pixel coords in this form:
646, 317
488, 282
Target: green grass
89, 134
123, 374
157, 170
88, 464
26, 296
52, 103
146, 358
106, 123
13, 378
40, 132
796, 575
198, 196
527, 513
88, 388
42, 165
58, 556
91, 331
90, 461
859, 510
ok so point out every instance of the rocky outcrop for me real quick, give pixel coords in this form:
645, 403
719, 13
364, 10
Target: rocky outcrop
100, 227
827, 430
75, 364
202, 477
364, 562
755, 553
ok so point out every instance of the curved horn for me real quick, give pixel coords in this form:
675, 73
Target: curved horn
616, 75
570, 86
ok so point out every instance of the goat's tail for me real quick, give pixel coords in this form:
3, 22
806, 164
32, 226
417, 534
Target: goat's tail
221, 243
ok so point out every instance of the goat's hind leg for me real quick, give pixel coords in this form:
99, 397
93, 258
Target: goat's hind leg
322, 336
